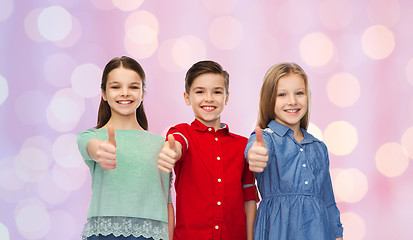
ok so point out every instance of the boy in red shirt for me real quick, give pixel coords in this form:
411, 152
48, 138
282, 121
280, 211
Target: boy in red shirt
215, 190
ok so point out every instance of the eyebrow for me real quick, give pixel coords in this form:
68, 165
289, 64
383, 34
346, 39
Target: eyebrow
117, 82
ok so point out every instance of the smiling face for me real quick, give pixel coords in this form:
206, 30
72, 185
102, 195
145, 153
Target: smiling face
207, 96
123, 92
291, 101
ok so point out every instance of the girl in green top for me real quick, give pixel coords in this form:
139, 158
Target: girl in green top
130, 196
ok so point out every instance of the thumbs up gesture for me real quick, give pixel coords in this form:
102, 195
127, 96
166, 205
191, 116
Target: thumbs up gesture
106, 151
258, 153
170, 153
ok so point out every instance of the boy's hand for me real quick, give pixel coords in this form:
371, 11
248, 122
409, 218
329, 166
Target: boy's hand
258, 153
106, 152
170, 153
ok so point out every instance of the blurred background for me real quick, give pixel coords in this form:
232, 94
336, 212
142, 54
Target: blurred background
358, 56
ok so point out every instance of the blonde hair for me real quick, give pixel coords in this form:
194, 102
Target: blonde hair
268, 93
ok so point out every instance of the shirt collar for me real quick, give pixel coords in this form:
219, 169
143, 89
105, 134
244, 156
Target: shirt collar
198, 125
282, 130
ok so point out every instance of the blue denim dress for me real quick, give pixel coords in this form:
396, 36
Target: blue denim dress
297, 195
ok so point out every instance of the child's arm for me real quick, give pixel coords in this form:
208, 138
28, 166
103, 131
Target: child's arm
250, 213
104, 152
258, 153
170, 153
171, 220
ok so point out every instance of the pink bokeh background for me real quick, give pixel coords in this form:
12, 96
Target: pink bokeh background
358, 56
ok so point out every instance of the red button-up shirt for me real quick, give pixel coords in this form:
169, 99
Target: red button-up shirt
212, 183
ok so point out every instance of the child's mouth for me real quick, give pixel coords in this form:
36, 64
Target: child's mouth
124, 102
208, 108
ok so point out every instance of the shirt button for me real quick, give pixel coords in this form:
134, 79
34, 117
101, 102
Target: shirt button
304, 165
219, 203
209, 129
218, 158
219, 180
216, 227
301, 149
306, 182
216, 139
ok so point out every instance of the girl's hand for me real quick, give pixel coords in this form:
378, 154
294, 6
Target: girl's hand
106, 151
170, 153
258, 153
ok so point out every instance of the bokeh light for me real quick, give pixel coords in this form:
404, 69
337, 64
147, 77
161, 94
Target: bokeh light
127, 5
141, 41
225, 32
316, 49
9, 180
65, 110
55, 23
65, 151
315, 131
31, 164
73, 37
350, 185
4, 232
32, 220
7, 7
86, 80
391, 159
341, 137
407, 142
4, 90
30, 26
343, 89
378, 42
176, 55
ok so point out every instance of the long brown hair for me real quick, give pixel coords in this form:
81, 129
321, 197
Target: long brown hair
268, 93
104, 112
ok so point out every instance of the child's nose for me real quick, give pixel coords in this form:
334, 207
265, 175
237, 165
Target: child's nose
208, 97
292, 100
125, 92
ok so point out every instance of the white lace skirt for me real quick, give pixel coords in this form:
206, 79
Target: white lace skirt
125, 226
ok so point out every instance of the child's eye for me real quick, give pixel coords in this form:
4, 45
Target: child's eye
135, 87
199, 92
218, 92
281, 95
114, 87
300, 93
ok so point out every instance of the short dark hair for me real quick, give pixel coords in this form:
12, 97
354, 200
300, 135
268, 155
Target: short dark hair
203, 67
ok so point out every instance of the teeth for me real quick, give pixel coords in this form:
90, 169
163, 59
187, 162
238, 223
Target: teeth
292, 111
208, 108
124, 102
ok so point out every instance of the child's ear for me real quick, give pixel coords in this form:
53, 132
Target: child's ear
226, 98
186, 97
104, 95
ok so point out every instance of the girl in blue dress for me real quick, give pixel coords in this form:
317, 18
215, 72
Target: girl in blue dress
291, 166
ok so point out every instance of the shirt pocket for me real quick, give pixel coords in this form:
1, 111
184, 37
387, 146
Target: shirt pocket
317, 158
